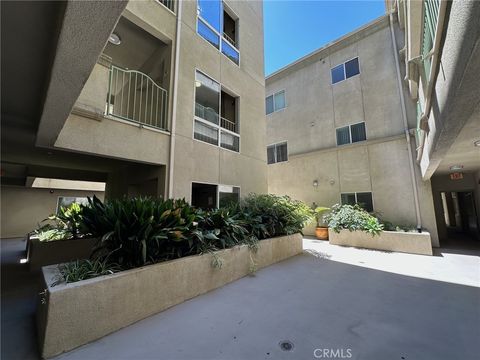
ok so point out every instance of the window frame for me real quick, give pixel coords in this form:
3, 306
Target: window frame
221, 37
365, 128
344, 71
217, 190
350, 133
273, 98
275, 152
208, 123
356, 198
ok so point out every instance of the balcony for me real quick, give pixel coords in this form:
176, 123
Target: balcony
135, 97
130, 81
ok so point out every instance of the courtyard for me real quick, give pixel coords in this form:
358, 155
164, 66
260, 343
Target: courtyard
370, 304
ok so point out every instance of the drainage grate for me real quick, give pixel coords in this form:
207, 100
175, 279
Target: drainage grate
286, 345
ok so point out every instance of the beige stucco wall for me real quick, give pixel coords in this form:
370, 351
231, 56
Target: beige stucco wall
23, 208
407, 242
315, 108
201, 162
86, 130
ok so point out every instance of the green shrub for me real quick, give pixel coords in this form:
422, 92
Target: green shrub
64, 225
140, 231
352, 217
223, 228
272, 215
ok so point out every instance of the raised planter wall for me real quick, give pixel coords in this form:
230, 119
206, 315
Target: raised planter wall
408, 242
70, 315
42, 253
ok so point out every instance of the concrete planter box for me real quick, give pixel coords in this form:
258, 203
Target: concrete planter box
42, 253
408, 242
70, 315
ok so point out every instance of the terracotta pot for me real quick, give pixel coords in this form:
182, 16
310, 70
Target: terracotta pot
321, 233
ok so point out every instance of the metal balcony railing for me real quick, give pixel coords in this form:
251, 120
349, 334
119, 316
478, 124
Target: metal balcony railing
135, 97
431, 12
230, 40
168, 3
228, 124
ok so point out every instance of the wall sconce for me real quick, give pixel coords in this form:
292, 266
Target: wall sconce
332, 182
315, 183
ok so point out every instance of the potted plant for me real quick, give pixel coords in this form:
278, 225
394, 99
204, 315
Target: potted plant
321, 231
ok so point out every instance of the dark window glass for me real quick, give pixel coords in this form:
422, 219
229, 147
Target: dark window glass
338, 74
282, 152
348, 199
358, 132
204, 196
343, 136
271, 154
352, 68
208, 34
228, 195
269, 104
365, 201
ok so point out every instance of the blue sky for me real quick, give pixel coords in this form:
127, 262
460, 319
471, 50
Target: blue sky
294, 28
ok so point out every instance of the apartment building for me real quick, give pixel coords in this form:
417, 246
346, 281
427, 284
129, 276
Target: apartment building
347, 123
168, 103
441, 58
336, 126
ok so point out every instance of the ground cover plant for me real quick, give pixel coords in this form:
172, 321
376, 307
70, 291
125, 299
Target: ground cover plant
142, 231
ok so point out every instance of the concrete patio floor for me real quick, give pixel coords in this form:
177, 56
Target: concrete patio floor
379, 305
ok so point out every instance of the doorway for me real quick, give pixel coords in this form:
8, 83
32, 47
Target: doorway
460, 217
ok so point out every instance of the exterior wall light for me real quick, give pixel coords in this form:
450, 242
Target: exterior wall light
477, 143
114, 39
315, 183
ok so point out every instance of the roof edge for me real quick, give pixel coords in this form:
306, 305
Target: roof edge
290, 67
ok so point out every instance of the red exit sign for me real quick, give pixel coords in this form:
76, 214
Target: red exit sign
456, 176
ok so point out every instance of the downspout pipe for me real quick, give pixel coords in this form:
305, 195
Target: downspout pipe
411, 160
171, 161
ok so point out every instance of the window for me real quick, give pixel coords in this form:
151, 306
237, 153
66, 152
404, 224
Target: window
345, 70
352, 68
338, 74
215, 114
358, 132
343, 135
277, 153
364, 199
66, 201
275, 102
209, 196
217, 24
204, 196
351, 134
228, 195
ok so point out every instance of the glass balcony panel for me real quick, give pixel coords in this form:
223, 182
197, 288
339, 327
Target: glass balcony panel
230, 52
